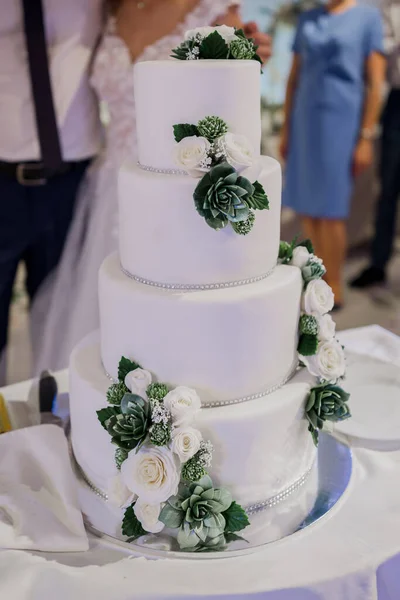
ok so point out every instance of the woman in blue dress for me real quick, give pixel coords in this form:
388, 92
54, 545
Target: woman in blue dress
332, 108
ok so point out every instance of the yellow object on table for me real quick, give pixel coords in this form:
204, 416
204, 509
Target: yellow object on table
5, 424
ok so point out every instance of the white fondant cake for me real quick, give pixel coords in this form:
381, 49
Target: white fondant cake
196, 297
184, 337
171, 92
163, 239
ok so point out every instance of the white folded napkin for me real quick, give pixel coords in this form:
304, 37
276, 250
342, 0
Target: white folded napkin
39, 507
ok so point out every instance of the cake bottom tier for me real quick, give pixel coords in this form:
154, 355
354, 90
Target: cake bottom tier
261, 447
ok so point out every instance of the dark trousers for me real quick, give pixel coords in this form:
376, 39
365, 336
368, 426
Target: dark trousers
34, 223
385, 226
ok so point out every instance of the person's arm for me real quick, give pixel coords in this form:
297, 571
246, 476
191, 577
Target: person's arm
232, 18
375, 78
289, 100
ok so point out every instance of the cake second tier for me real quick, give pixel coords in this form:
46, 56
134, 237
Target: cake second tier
227, 343
164, 240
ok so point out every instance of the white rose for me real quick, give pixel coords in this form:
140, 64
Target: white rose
238, 150
329, 363
138, 381
318, 298
148, 515
118, 494
326, 328
190, 152
300, 258
186, 442
151, 473
227, 33
183, 403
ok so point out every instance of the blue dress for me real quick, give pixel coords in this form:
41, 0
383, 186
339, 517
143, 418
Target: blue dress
328, 106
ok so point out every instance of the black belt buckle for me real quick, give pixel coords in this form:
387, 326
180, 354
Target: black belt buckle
30, 174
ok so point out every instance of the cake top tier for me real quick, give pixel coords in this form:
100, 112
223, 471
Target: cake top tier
176, 91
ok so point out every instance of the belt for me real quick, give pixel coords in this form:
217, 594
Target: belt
33, 173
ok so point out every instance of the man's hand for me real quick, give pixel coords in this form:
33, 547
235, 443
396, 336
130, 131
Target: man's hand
262, 40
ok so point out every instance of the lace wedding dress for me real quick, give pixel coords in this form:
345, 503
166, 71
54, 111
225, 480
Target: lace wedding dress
67, 308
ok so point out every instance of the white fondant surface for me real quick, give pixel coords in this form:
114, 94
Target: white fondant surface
164, 239
227, 343
261, 447
171, 92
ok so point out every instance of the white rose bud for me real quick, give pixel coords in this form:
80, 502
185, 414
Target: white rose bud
138, 381
151, 473
318, 298
186, 442
147, 515
118, 494
300, 257
190, 154
238, 151
326, 328
329, 363
183, 403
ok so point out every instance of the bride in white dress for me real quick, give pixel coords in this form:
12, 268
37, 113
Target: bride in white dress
136, 31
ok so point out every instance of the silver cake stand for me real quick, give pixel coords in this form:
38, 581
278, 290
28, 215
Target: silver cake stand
334, 471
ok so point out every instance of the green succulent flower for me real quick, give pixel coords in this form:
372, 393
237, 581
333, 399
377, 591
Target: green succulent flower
157, 391
116, 392
120, 456
212, 128
129, 429
313, 270
192, 470
308, 325
160, 434
197, 511
327, 402
242, 49
244, 227
285, 252
220, 196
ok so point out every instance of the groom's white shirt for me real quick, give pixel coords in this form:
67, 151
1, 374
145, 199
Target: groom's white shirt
73, 28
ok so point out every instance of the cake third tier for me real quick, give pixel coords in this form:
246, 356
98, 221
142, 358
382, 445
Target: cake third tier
226, 343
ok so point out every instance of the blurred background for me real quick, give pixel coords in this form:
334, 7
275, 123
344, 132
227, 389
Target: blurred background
380, 306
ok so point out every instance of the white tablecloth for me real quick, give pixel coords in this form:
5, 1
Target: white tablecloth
353, 554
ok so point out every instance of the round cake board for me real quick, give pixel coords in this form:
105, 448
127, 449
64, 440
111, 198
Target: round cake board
333, 475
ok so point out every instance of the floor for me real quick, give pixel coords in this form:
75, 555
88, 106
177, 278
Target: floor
380, 306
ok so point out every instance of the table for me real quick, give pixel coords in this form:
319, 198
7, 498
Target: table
354, 554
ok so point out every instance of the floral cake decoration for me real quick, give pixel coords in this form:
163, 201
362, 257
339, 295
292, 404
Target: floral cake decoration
318, 349
162, 461
217, 43
223, 196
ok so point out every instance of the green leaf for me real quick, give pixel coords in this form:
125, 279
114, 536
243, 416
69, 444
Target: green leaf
308, 345
236, 518
126, 366
314, 434
240, 33
105, 413
307, 244
184, 130
259, 199
131, 526
233, 537
214, 47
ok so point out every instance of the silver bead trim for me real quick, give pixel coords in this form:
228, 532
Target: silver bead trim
250, 510
162, 171
260, 506
219, 403
182, 287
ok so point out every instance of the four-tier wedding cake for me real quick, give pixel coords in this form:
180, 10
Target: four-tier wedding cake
189, 411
